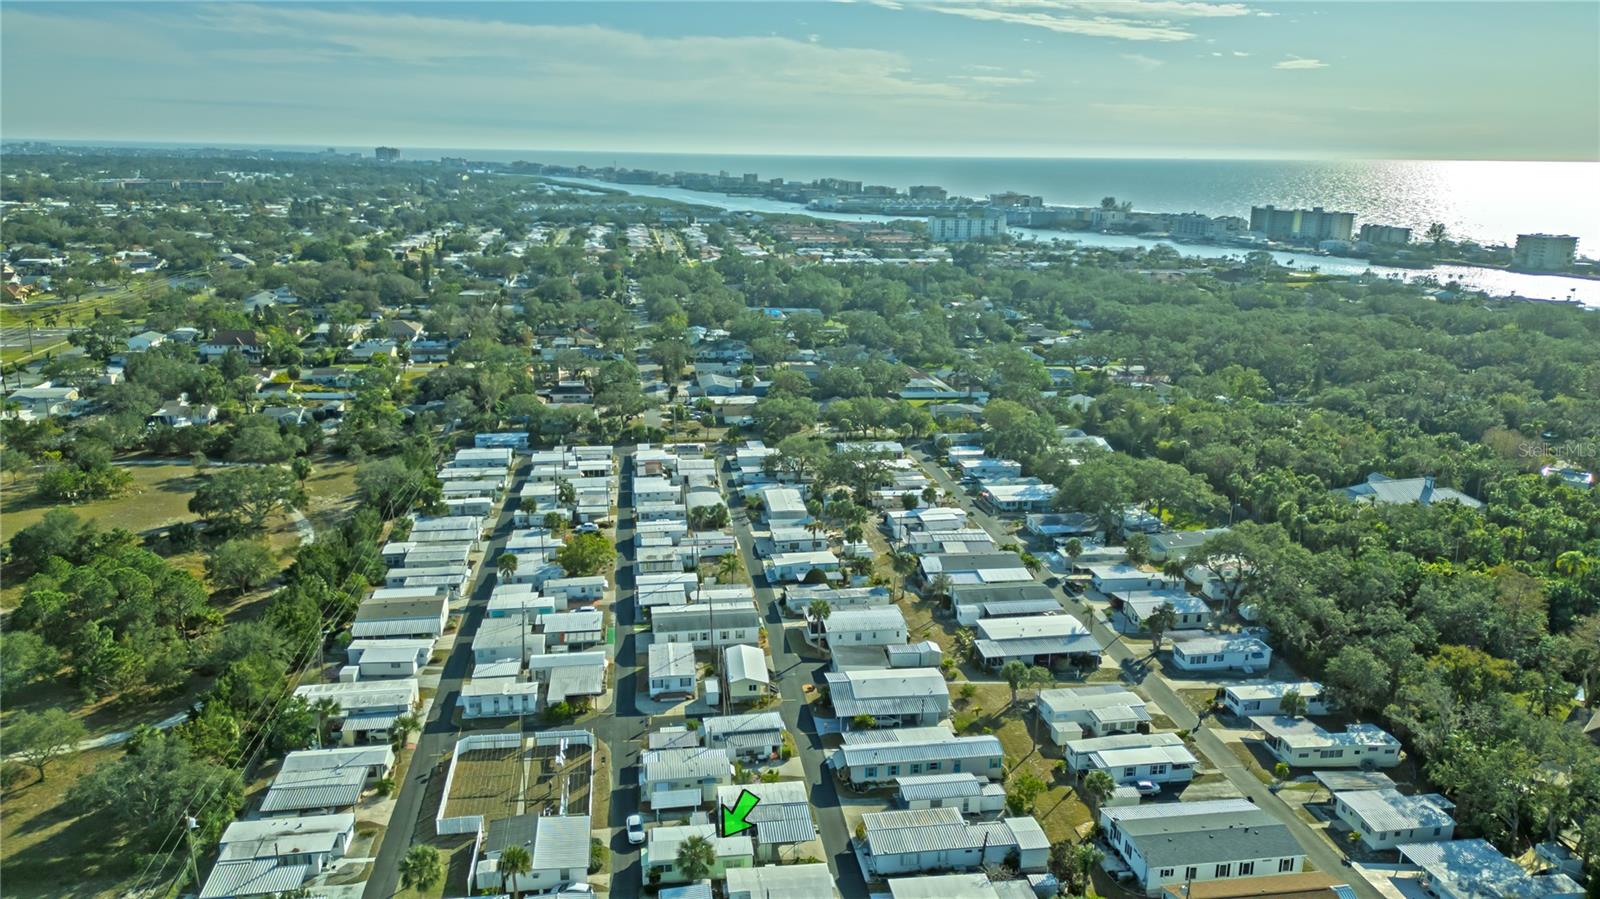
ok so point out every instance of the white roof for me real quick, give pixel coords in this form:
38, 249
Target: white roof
671, 660
874, 618
1388, 809
745, 662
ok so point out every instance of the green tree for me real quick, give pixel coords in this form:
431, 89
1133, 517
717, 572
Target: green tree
244, 498
1163, 619
1138, 549
1292, 704
506, 565
139, 795
25, 658
393, 487
1357, 679
1097, 788
240, 564
420, 868
514, 862
1436, 234
729, 567
696, 858
1025, 789
1019, 676
41, 738
585, 555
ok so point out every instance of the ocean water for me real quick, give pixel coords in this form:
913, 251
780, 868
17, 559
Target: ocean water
1485, 201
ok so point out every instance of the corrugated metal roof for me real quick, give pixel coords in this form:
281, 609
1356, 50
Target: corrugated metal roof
980, 746
253, 878
939, 786
296, 790
561, 842
685, 764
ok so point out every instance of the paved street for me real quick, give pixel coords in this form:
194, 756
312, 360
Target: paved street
793, 673
624, 726
1139, 670
439, 735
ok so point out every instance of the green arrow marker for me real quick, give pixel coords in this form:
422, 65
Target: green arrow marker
733, 819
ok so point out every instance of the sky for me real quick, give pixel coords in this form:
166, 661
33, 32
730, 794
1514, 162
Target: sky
1039, 78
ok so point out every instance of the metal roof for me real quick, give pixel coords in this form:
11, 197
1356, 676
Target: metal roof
751, 723
873, 618
1180, 834
671, 660
338, 758
561, 841
745, 662
1470, 869
1387, 809
685, 764
980, 746
813, 881
297, 790
260, 877
939, 786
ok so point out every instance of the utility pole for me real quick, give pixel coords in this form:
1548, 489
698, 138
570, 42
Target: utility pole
190, 826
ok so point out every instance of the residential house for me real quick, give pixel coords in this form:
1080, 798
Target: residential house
1045, 640
754, 735
421, 615
1006, 600
660, 857
577, 629
808, 881
876, 626
146, 340
557, 847
1469, 869
222, 342
1016, 495
365, 710
893, 756
1380, 488
939, 839
705, 625
797, 598
672, 670
1097, 710
1228, 652
568, 676
257, 857
966, 791
1179, 544
965, 569
1120, 577
745, 672
1386, 818
1160, 758
679, 779
1189, 843
499, 697
789, 539
975, 885
784, 506
576, 590
1188, 612
44, 401
1304, 744
325, 781
378, 659
898, 697
782, 818
1266, 697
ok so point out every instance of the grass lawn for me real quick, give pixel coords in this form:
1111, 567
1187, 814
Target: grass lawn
49, 851
330, 491
1059, 810
1251, 761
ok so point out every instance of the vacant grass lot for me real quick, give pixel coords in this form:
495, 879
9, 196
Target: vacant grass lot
1060, 811
49, 851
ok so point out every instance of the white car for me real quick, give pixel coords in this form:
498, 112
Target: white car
588, 527
635, 829
1147, 787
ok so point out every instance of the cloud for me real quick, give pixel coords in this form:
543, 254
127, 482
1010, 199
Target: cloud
1139, 60
1299, 62
995, 80
1240, 53
1129, 20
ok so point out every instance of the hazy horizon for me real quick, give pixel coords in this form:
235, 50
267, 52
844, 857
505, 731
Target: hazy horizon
1025, 79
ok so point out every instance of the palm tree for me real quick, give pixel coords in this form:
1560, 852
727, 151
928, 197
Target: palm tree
556, 523
402, 728
1019, 675
729, 567
1073, 548
1097, 788
514, 862
940, 586
326, 709
1436, 234
819, 610
506, 565
1574, 563
1160, 621
696, 858
420, 868
1173, 568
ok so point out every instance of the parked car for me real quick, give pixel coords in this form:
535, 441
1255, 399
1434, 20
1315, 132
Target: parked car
635, 829
588, 527
1147, 787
